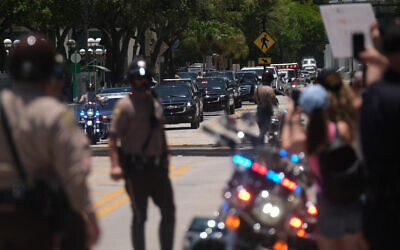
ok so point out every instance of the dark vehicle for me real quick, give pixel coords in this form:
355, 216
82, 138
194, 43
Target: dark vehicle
218, 93
195, 89
115, 91
265, 203
106, 111
180, 104
230, 75
191, 75
92, 122
248, 80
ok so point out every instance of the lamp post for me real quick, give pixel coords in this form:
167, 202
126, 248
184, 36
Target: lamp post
71, 45
7, 45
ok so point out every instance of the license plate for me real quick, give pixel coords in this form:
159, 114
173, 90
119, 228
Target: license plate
89, 123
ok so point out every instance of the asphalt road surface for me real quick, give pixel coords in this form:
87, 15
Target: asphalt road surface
199, 170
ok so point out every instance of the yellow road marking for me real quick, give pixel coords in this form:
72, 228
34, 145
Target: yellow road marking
124, 199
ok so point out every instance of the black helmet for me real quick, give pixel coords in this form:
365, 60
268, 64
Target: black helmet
267, 76
91, 86
138, 69
33, 59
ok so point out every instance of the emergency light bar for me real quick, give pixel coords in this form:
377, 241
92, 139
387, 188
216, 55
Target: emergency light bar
268, 173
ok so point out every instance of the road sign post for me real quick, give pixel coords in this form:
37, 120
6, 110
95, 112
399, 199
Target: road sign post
75, 58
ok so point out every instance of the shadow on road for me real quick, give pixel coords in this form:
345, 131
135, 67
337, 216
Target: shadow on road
210, 150
177, 128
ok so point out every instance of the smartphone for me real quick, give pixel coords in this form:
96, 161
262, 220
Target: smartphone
358, 44
295, 97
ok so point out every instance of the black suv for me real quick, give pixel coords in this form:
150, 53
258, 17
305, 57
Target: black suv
230, 75
193, 86
218, 93
180, 104
248, 80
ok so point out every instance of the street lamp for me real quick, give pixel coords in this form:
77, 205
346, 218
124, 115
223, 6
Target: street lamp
82, 52
71, 46
16, 42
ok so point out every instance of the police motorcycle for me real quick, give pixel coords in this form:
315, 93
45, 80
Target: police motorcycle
92, 122
265, 201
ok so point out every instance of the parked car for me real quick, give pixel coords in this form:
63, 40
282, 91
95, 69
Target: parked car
181, 105
218, 93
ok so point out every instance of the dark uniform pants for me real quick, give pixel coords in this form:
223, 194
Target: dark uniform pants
264, 114
151, 182
21, 229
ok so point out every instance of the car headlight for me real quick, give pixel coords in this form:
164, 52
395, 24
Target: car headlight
222, 96
90, 112
268, 208
189, 104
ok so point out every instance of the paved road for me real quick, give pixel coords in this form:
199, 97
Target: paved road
199, 170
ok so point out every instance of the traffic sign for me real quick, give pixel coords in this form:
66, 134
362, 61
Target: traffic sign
264, 42
264, 60
75, 57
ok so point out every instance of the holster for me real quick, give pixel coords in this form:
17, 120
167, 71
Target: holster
136, 163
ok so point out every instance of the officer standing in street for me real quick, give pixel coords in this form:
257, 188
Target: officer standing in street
265, 98
143, 157
39, 139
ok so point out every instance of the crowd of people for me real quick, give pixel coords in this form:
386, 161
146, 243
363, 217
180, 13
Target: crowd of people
364, 114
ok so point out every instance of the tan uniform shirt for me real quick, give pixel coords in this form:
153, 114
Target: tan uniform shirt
48, 142
131, 123
265, 96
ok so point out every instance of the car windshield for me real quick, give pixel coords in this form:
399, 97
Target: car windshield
214, 74
210, 83
109, 104
245, 77
190, 75
172, 91
116, 90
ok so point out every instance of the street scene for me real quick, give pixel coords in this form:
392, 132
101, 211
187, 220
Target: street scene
199, 125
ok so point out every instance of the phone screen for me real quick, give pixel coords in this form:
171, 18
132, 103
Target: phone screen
358, 44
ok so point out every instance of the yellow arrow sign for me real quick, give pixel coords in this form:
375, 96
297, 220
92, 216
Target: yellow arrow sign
264, 60
264, 42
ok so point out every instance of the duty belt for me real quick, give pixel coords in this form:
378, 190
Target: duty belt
139, 160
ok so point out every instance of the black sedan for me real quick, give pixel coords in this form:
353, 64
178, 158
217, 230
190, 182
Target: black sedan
218, 94
181, 105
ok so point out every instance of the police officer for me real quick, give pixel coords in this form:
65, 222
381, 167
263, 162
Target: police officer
138, 124
265, 98
47, 142
91, 95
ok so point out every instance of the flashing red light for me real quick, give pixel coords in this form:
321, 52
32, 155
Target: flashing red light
291, 185
276, 67
97, 119
131, 93
204, 82
287, 66
256, 167
296, 222
82, 119
312, 210
244, 195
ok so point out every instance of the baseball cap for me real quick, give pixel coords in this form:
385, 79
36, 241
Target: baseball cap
314, 97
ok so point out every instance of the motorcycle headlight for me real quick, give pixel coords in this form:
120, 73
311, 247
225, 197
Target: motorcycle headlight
90, 112
269, 209
222, 96
189, 104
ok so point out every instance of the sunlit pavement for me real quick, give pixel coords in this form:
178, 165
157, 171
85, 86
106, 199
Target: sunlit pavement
199, 170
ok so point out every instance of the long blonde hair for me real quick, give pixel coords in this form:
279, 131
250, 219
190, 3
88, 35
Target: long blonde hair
341, 98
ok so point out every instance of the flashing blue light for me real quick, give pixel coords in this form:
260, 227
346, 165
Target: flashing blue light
274, 176
82, 113
298, 189
97, 113
283, 153
240, 160
294, 158
285, 111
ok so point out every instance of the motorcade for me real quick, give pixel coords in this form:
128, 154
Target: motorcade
248, 81
265, 204
92, 122
180, 104
218, 93
195, 89
308, 62
230, 75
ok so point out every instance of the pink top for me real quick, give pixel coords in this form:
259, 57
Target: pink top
313, 161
